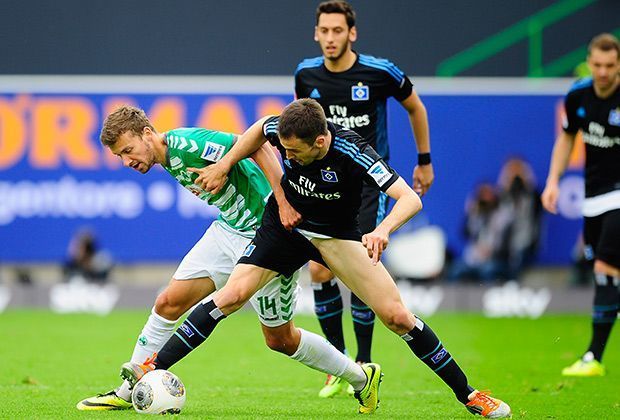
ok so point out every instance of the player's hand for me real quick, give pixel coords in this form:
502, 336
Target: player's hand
423, 177
549, 197
288, 215
211, 178
375, 243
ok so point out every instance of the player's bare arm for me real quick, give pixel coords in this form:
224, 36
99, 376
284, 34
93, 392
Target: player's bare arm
559, 161
407, 205
213, 177
423, 175
270, 165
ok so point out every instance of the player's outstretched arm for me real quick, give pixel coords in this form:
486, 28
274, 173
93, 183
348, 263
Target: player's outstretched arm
423, 174
213, 177
559, 161
406, 206
270, 165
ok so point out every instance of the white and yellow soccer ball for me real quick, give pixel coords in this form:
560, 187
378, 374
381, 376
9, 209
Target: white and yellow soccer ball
158, 392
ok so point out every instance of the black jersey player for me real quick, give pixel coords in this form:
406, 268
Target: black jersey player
324, 169
593, 107
353, 90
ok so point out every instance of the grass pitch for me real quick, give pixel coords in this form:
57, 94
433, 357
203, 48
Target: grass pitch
49, 362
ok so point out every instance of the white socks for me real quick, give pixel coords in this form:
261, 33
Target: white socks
155, 333
317, 353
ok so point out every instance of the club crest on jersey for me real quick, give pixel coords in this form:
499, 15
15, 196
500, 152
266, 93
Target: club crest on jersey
379, 173
248, 250
287, 162
213, 152
614, 117
360, 92
329, 176
315, 94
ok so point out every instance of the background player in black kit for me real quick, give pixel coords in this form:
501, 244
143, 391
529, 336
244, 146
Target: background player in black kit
353, 90
593, 107
324, 168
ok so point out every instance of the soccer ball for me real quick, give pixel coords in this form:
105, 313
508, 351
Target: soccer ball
158, 392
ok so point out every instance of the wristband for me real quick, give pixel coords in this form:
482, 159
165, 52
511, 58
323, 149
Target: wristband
424, 158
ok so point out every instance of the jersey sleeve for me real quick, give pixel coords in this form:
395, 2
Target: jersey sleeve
364, 160
379, 173
299, 86
201, 146
270, 130
570, 124
400, 87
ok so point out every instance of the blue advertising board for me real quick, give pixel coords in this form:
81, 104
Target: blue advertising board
55, 177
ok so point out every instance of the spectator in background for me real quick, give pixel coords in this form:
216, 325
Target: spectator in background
520, 204
486, 226
86, 262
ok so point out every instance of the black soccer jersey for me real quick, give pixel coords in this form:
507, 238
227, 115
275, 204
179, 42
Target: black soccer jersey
599, 121
328, 191
356, 98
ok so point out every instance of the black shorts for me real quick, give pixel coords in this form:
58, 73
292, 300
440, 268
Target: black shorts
602, 237
373, 209
277, 249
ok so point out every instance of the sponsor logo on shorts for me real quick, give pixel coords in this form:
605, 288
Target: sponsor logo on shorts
380, 173
440, 355
248, 250
187, 330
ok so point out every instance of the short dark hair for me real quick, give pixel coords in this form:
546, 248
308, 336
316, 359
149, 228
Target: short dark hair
604, 42
124, 119
303, 119
337, 6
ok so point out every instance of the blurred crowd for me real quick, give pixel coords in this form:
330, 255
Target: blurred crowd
501, 226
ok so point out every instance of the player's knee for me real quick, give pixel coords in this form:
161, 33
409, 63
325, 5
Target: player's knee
319, 274
231, 299
168, 307
281, 343
398, 320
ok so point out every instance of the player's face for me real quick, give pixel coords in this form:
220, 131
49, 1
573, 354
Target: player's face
605, 66
300, 151
136, 151
334, 35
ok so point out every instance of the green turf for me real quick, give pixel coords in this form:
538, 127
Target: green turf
49, 362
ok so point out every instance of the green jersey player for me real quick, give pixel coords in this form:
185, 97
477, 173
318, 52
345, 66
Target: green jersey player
182, 152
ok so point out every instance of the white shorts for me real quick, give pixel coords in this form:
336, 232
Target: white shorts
215, 256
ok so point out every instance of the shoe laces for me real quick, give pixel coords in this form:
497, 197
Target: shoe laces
483, 400
149, 363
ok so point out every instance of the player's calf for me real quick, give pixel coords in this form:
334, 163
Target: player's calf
191, 333
283, 339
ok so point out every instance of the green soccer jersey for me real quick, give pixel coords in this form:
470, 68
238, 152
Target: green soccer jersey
242, 199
